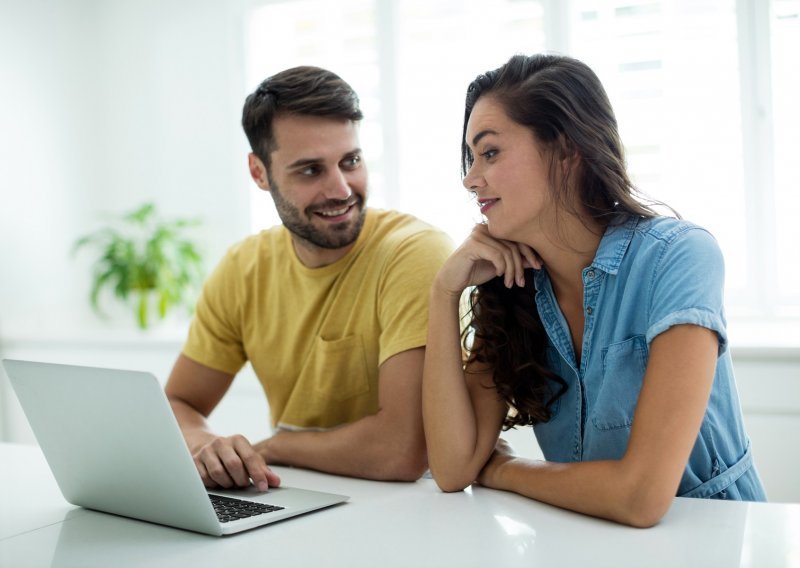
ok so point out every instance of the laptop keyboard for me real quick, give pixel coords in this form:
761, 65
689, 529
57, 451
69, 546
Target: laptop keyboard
229, 509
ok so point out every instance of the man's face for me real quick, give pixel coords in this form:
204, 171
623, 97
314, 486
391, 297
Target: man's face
318, 182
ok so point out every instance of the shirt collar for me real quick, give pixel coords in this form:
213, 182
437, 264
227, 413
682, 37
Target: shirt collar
609, 254
613, 245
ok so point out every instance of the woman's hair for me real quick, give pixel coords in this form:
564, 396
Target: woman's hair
563, 103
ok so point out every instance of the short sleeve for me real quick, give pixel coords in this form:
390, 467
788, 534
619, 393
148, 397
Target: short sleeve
405, 288
215, 337
688, 285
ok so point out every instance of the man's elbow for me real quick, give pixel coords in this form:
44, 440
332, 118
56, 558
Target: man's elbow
409, 465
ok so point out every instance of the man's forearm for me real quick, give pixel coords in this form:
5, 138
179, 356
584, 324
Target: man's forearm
193, 425
369, 448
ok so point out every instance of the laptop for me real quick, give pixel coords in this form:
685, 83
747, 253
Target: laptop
114, 445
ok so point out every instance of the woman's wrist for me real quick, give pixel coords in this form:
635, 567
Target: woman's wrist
441, 292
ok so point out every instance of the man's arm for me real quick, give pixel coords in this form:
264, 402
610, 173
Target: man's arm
194, 390
388, 445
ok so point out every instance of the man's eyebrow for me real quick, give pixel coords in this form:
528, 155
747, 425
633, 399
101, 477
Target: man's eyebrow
477, 138
303, 162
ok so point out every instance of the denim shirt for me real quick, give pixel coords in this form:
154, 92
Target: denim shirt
647, 275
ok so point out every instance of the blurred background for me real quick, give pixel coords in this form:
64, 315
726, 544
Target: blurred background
109, 104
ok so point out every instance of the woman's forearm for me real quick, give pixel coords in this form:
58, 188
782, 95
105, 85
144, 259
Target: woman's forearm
451, 428
609, 489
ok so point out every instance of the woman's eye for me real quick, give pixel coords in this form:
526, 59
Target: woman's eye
489, 154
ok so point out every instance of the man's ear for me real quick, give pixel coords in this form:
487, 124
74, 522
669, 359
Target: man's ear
258, 171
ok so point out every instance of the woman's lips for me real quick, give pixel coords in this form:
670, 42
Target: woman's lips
486, 204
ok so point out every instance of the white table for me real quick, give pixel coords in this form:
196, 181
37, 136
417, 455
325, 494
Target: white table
386, 525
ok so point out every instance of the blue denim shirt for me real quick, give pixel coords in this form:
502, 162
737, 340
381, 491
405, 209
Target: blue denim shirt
647, 275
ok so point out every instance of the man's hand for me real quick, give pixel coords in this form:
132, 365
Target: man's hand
232, 462
194, 390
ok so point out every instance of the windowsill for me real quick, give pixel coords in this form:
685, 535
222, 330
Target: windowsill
763, 337
167, 336
748, 337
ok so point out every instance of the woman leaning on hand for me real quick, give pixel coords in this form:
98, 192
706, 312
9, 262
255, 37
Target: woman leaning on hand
593, 319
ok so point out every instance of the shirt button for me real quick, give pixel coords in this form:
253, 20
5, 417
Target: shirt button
590, 275
589, 310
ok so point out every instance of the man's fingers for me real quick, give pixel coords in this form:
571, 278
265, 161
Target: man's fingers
204, 475
221, 463
231, 458
254, 466
216, 471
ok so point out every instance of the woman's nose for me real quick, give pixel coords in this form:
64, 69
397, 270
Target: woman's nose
472, 180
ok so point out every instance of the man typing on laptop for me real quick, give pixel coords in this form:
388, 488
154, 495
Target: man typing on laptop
330, 308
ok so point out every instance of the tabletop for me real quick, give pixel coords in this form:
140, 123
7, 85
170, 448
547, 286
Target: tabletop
388, 524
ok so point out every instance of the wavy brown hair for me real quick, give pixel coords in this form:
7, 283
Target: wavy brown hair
564, 104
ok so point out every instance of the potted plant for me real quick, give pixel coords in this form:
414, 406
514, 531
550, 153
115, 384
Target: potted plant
147, 263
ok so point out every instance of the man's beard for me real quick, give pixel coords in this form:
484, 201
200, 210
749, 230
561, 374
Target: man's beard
300, 224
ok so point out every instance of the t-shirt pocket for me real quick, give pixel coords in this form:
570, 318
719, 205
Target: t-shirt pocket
332, 388
624, 364
337, 369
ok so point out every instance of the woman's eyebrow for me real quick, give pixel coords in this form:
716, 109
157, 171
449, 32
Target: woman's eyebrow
477, 138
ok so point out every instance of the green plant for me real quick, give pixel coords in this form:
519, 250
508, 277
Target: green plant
147, 261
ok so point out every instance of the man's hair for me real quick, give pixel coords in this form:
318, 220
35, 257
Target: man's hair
304, 90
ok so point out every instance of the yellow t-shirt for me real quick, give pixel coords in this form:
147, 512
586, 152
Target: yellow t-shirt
316, 336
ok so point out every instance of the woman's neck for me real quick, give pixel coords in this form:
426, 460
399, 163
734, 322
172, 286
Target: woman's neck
566, 249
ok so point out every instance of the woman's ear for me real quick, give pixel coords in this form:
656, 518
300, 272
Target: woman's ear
569, 157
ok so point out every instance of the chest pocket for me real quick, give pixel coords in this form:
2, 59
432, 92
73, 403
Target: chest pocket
624, 364
333, 386
337, 370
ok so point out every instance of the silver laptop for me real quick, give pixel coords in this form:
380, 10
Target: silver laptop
114, 445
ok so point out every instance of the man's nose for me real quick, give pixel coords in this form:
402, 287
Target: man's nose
338, 187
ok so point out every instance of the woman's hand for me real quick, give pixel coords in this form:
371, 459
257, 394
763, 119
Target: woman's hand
481, 257
502, 454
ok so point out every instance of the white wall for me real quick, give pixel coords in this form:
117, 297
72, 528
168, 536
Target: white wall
107, 104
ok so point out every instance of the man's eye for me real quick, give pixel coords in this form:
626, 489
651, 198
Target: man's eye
309, 171
352, 162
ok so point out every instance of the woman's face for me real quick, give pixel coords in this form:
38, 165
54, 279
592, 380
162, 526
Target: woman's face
509, 174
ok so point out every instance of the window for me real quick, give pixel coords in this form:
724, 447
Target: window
705, 94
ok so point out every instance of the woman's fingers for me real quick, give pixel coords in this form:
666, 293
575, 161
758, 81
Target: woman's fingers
482, 257
533, 260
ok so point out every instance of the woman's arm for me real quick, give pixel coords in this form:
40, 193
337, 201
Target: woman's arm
462, 412
638, 489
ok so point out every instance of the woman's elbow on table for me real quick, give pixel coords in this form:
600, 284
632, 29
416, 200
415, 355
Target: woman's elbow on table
644, 507
451, 481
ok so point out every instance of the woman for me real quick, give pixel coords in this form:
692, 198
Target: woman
593, 319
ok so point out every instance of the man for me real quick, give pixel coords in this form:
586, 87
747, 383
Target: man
330, 308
